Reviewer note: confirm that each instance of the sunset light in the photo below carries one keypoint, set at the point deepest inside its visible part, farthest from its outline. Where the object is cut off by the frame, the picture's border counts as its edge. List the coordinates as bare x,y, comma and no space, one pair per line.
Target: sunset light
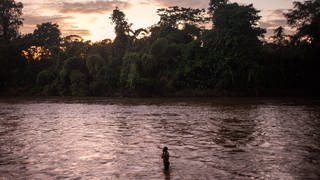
90,19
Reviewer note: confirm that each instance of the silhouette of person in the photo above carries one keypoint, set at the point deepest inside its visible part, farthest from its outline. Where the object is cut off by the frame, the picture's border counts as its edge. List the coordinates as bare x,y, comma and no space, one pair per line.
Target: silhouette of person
165,157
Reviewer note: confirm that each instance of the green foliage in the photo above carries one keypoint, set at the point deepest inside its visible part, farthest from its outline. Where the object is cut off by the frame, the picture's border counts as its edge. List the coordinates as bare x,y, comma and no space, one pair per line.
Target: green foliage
98,88
76,48
72,64
103,49
79,84
94,64
129,73
175,55
139,73
47,34
235,28
45,77
73,78
234,46
99,73
159,48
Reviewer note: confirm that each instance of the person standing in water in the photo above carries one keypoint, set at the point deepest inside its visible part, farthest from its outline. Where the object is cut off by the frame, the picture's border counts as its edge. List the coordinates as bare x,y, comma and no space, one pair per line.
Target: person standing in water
165,157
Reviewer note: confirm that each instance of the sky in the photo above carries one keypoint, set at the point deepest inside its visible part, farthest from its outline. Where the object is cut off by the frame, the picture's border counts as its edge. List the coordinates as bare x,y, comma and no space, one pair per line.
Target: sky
91,18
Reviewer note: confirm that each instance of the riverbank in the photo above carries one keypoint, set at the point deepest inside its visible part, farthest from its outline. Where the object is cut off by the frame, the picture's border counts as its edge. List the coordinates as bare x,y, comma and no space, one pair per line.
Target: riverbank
274,92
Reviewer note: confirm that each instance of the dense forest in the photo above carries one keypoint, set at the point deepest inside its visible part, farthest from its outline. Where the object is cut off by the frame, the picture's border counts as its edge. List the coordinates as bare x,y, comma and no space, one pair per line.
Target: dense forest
177,56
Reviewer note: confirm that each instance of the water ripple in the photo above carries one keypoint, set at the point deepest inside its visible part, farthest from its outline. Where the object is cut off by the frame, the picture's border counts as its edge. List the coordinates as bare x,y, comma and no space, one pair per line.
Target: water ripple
122,139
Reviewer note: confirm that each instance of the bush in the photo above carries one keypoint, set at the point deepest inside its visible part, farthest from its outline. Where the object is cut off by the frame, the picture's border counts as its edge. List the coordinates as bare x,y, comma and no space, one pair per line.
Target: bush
45,77
79,85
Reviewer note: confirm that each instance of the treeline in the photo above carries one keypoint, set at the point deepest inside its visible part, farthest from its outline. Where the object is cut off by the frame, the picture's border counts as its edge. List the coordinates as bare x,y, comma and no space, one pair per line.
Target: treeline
178,55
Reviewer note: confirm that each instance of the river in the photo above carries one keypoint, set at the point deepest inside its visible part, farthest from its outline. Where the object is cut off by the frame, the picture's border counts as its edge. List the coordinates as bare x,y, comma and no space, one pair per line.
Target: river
208,138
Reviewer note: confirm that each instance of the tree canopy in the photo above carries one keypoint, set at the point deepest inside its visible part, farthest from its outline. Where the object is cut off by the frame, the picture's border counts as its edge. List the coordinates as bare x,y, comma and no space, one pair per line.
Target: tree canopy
47,34
190,52
175,16
10,19
306,17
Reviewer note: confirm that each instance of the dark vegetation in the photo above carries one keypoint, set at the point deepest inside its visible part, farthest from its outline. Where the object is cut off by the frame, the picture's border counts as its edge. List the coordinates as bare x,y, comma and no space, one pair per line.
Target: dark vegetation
176,56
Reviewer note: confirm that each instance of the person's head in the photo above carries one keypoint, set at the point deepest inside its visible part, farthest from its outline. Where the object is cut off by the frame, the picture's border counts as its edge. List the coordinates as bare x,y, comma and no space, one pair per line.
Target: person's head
165,149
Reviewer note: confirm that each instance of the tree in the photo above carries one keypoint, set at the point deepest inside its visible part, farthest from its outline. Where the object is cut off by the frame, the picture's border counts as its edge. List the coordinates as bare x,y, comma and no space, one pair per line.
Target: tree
97,68
47,34
179,16
122,30
138,73
76,48
46,37
214,4
10,19
79,85
73,77
45,81
235,27
119,19
94,64
306,17
233,45
159,48
279,36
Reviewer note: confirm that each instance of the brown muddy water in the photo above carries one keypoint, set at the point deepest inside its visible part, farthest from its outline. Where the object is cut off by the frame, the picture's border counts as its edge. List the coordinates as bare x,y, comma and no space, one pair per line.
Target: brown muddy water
213,138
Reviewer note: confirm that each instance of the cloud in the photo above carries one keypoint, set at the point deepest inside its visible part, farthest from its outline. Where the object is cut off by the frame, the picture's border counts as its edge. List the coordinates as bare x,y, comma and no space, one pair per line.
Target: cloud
37,19
275,14
97,7
273,19
278,12
273,23
80,32
30,22
182,3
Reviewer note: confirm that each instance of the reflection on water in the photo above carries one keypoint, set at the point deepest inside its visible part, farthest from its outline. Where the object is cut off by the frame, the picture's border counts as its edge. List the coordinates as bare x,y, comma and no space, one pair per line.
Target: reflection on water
123,138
